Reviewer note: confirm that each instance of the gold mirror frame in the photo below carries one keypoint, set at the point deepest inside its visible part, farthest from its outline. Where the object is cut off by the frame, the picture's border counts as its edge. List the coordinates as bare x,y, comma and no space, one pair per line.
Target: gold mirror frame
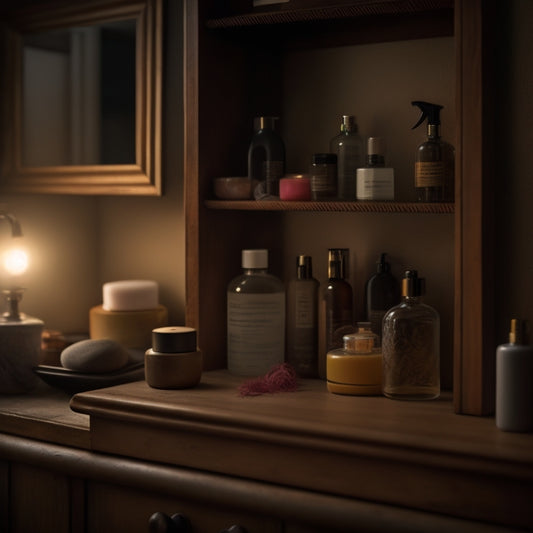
141,178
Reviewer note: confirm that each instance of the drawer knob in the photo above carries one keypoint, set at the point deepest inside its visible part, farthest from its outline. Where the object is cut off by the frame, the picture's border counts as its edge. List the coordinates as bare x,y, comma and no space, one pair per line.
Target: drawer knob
162,523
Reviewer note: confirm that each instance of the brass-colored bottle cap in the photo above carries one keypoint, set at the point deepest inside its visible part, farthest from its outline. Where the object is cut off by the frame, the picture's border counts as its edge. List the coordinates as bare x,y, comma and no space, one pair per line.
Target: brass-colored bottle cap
516,335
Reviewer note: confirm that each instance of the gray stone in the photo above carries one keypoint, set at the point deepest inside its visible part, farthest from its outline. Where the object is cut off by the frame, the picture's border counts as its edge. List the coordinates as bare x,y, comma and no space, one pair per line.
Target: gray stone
94,356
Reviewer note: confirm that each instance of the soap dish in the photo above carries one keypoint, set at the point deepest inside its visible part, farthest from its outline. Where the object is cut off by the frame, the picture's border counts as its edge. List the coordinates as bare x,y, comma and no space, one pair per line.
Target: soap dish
74,382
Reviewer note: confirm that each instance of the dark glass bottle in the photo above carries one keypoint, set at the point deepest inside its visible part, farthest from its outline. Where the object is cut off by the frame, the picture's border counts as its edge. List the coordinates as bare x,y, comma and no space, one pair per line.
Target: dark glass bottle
382,292
266,155
302,319
336,312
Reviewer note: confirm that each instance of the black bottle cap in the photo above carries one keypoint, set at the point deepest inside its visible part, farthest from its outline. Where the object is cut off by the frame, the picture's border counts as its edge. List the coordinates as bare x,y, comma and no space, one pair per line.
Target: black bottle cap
412,285
383,266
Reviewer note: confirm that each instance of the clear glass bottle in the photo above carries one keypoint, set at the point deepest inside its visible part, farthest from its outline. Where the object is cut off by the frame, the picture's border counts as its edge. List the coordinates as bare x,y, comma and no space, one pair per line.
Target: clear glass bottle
336,310
350,150
355,369
411,346
256,317
302,319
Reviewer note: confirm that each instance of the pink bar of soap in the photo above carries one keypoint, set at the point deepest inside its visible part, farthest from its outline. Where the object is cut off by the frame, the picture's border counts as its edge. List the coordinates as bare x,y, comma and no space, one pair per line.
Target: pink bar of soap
130,295
295,187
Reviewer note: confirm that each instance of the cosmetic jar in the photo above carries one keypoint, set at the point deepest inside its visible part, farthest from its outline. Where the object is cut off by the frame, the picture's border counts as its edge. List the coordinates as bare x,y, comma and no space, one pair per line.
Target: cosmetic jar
294,187
173,362
356,368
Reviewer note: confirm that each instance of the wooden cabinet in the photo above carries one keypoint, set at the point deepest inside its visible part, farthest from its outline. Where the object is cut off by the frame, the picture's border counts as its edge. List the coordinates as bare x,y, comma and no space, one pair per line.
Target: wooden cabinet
298,462
236,63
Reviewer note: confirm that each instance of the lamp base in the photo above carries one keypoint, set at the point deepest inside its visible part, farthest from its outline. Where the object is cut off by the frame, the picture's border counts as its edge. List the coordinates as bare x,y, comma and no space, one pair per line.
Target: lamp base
20,351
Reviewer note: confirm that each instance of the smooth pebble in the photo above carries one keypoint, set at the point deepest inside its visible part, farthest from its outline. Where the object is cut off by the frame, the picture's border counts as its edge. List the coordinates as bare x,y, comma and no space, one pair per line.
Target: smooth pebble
94,356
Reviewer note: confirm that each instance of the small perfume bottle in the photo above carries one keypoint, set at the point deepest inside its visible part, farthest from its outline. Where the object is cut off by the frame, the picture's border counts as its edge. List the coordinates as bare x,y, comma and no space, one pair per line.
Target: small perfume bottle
514,381
411,346
355,369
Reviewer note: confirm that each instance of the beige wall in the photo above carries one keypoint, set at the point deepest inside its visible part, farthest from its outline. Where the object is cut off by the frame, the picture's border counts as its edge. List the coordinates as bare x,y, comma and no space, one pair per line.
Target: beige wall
78,243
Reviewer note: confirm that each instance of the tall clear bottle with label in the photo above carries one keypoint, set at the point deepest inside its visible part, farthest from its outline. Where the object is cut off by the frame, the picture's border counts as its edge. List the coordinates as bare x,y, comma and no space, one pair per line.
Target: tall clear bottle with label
302,319
336,307
255,317
351,153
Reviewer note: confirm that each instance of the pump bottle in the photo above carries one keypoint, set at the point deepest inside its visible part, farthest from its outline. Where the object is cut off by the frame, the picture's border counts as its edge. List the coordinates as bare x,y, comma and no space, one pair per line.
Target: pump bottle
266,155
434,161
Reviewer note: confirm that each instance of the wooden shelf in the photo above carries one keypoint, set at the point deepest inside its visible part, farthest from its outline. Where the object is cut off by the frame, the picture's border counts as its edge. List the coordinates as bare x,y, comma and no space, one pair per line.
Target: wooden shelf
288,15
343,207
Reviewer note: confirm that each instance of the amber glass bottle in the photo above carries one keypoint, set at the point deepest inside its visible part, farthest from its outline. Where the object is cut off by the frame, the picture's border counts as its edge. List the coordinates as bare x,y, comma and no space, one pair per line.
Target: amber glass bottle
336,310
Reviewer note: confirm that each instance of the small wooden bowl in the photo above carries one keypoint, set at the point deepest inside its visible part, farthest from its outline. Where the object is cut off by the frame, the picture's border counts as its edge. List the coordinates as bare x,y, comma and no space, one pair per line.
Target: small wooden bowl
233,188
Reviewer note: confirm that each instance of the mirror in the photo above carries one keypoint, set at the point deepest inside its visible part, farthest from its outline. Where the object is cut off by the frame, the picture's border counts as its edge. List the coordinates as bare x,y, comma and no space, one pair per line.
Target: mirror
82,99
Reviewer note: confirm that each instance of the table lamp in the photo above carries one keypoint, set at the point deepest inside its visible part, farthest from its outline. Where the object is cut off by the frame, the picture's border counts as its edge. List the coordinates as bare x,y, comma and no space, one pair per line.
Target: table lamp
20,335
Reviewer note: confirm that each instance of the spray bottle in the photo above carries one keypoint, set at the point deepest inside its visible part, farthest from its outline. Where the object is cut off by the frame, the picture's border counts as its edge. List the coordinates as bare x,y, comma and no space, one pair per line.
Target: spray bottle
435,159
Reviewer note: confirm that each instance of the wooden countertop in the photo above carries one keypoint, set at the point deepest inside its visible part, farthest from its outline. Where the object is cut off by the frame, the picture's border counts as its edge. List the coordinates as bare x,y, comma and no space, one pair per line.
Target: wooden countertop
44,414
415,454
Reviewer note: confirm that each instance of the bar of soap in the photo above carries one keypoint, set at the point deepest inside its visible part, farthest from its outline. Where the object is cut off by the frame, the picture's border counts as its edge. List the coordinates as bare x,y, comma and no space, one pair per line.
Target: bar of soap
130,295
94,356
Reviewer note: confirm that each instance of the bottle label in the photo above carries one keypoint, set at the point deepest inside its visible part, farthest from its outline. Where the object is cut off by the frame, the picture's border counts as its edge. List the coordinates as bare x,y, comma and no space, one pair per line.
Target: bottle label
429,173
256,332
272,170
304,309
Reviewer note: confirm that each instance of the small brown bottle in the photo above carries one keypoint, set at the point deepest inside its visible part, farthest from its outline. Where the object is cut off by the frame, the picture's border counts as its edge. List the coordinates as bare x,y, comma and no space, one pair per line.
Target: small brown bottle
336,308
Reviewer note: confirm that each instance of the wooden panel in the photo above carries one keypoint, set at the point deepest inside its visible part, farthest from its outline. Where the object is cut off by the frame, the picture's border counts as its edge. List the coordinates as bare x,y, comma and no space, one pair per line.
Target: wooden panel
474,375
40,500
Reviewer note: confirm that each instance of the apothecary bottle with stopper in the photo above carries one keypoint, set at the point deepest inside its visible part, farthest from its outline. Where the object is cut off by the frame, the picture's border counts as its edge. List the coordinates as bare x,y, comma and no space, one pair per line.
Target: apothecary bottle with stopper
411,345
255,317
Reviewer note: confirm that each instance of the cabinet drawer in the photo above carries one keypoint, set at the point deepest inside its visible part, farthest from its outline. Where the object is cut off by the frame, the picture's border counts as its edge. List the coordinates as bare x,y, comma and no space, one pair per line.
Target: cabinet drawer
112,508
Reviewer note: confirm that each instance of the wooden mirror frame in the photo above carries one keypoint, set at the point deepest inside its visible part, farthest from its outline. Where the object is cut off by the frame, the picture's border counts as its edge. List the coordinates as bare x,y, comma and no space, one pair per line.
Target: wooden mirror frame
141,178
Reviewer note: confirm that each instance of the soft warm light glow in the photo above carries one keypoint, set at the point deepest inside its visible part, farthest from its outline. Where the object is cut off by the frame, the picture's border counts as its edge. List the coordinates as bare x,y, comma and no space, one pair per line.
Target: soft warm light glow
15,261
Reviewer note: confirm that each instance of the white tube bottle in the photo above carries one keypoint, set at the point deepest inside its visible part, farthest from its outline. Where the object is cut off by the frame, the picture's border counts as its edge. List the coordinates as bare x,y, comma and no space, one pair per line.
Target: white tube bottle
514,382
256,317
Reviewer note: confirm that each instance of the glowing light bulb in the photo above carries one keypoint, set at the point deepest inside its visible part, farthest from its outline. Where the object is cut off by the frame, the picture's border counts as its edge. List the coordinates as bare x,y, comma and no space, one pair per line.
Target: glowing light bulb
15,261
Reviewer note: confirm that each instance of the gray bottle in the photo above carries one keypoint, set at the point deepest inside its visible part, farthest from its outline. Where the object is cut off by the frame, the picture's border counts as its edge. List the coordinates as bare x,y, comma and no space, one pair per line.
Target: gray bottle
514,382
